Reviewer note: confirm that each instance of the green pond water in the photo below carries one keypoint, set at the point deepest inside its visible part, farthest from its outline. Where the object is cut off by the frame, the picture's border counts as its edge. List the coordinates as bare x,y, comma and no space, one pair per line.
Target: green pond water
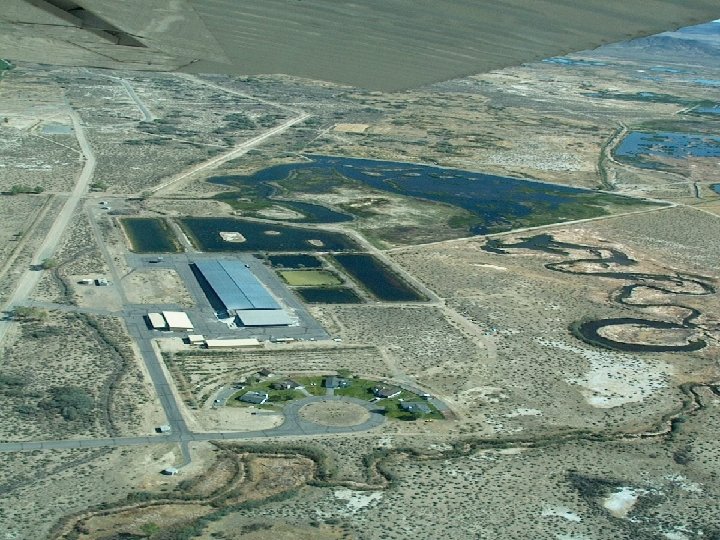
377,278
150,235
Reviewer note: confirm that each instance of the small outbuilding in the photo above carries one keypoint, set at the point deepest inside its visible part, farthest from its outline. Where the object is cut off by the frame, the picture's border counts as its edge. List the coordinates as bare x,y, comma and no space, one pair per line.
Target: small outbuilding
256,398
165,428
287,384
415,407
170,471
336,382
386,392
177,321
157,321
195,339
229,343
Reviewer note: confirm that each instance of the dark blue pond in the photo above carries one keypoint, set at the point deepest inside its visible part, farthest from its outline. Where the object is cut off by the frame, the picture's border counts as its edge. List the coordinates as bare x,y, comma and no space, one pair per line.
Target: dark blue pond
150,235
377,278
323,295
668,145
563,61
205,234
295,261
715,109
496,199
312,213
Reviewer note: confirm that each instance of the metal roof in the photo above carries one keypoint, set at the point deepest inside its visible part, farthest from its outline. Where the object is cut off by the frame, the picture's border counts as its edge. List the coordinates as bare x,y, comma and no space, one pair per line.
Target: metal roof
157,321
177,319
241,342
236,285
266,317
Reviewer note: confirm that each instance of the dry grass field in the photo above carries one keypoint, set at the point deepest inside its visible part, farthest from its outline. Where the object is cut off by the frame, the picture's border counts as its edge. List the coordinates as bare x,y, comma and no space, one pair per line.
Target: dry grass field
537,375
30,504
70,375
540,487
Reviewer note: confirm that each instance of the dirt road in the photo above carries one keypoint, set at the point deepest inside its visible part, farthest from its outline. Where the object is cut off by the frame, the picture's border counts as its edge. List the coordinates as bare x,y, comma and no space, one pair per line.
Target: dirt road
30,278
235,152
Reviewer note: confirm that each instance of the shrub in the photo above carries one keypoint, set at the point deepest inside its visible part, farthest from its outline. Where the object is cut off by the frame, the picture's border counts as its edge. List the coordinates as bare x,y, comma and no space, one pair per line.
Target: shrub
70,402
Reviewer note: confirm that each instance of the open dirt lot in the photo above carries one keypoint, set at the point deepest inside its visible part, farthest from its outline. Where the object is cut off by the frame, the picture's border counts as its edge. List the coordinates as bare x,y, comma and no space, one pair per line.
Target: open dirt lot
334,414
90,358
157,286
235,419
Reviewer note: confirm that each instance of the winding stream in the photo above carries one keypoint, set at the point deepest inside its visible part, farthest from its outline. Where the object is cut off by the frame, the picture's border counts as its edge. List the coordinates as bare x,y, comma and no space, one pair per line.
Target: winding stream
602,260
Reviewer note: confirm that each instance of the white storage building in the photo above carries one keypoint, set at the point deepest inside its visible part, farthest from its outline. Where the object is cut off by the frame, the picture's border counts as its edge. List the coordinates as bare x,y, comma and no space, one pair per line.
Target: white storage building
157,321
177,321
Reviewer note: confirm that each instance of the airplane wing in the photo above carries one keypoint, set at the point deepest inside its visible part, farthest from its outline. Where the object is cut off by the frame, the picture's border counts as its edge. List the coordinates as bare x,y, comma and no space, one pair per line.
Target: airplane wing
375,44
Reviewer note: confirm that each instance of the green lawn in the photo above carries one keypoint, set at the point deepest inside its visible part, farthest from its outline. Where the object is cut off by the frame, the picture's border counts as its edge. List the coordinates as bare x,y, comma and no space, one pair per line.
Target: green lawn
276,397
310,278
362,389
312,384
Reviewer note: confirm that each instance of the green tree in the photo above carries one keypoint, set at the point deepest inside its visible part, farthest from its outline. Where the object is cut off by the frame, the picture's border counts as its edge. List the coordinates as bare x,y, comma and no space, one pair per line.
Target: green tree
26,314
70,402
48,264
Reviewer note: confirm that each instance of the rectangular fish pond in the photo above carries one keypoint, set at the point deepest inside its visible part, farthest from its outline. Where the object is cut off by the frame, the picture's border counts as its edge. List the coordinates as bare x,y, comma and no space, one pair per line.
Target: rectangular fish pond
326,295
377,278
205,233
294,261
150,235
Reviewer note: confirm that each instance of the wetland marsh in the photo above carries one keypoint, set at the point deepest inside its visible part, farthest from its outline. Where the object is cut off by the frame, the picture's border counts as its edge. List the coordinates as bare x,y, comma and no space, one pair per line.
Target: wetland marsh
483,202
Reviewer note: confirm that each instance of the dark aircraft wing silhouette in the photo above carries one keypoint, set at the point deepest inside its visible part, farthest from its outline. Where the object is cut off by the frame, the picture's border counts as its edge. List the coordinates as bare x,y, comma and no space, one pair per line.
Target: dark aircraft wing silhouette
376,44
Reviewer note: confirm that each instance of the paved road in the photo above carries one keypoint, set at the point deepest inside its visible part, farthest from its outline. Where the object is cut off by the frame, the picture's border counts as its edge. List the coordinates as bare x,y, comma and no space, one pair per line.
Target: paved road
147,115
30,278
293,426
232,154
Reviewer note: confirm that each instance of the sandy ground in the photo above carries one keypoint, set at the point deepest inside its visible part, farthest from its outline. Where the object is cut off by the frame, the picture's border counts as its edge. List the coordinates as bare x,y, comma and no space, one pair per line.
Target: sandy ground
351,128
93,296
157,286
335,414
236,419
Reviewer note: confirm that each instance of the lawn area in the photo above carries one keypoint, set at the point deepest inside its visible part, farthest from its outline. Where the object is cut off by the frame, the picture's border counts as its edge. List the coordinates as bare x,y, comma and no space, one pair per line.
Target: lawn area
310,278
276,397
362,389
312,384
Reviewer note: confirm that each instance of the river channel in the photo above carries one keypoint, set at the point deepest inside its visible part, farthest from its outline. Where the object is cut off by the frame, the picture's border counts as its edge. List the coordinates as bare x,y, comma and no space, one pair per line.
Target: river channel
597,265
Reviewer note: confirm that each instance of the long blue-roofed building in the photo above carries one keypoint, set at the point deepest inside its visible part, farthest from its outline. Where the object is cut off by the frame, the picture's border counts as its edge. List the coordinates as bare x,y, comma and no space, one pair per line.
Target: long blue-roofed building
240,292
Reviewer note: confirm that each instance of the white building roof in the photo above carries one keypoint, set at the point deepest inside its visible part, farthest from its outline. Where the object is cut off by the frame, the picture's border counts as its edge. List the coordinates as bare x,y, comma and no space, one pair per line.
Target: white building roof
157,321
196,338
263,317
218,343
177,319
